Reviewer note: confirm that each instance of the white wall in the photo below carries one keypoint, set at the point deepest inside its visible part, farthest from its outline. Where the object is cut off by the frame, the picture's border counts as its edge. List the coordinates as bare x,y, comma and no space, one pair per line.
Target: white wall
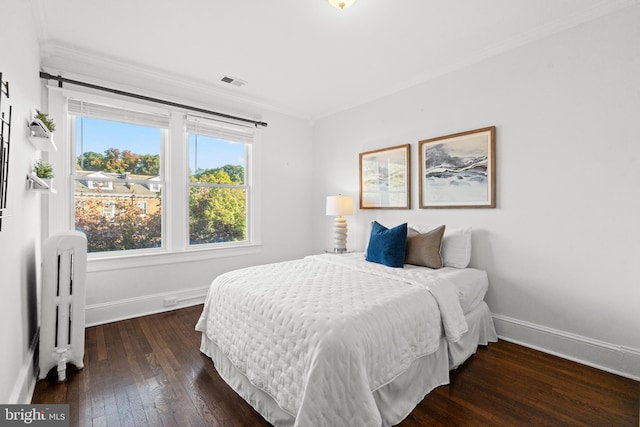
285,179
126,288
20,237
562,247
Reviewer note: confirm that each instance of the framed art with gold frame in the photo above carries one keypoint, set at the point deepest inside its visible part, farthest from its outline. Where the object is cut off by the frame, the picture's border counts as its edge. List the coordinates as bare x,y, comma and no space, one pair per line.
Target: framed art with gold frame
459,170
385,178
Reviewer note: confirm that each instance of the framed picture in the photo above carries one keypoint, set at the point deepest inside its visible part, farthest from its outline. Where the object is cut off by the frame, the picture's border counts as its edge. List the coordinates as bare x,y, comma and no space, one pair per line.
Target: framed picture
385,178
459,170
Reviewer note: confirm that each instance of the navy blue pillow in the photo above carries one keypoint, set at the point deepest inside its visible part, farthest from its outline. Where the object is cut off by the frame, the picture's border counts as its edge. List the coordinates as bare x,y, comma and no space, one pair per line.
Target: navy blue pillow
387,245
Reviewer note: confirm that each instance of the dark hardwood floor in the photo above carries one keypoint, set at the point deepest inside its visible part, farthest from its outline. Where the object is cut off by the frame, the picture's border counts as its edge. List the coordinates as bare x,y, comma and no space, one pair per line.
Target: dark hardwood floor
149,372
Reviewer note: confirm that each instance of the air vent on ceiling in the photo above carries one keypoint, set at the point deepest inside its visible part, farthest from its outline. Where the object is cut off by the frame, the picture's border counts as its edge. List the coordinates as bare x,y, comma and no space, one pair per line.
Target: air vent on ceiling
233,81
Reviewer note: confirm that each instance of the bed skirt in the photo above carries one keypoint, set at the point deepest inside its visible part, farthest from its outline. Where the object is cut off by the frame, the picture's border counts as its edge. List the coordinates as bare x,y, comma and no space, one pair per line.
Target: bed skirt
395,400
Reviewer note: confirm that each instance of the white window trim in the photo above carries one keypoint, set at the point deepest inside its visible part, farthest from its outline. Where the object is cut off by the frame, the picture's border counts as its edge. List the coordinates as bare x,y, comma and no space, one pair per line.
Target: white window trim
174,163
138,259
246,186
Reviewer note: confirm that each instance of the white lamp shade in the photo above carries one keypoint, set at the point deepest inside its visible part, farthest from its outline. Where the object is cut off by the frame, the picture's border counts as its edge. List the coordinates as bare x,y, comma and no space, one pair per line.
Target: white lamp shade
341,4
339,205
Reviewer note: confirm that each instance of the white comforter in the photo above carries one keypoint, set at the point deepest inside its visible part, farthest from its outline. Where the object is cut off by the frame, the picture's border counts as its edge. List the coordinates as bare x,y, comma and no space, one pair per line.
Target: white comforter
320,334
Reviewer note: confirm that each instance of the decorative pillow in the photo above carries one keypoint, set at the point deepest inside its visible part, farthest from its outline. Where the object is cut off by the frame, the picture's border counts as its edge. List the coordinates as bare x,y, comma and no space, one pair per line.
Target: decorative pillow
456,245
387,245
424,248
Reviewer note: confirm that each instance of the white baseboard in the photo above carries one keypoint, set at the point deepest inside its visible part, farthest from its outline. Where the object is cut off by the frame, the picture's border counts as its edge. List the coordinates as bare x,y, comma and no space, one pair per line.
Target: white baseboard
619,360
99,314
26,382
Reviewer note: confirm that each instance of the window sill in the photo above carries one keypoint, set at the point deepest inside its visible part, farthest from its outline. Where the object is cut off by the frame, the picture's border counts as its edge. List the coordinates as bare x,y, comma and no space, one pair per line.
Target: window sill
120,261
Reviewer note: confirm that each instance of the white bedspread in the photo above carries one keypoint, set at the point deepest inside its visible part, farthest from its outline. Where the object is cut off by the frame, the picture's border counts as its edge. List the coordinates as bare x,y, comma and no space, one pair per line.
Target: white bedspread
320,334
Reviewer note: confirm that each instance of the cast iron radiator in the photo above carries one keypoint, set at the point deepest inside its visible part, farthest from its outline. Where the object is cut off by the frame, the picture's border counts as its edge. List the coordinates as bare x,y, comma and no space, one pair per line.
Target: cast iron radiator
64,264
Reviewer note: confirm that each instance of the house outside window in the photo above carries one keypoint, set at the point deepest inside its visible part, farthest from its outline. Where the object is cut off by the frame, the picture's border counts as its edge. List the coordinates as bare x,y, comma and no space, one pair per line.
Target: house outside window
116,151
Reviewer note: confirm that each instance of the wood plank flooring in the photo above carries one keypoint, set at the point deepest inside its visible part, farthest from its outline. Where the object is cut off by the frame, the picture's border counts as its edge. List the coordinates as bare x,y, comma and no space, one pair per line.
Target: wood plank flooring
149,372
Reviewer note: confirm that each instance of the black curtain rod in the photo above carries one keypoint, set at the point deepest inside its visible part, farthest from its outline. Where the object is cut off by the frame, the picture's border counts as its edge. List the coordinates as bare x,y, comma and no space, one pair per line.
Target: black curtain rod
61,80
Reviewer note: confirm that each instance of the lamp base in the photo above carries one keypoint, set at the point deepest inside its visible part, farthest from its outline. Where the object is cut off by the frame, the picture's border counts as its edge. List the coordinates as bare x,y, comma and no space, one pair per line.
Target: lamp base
338,251
339,234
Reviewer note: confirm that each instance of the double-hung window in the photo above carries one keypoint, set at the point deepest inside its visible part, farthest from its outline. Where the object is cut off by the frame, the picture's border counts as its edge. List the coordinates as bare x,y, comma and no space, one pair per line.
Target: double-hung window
118,176
218,181
158,181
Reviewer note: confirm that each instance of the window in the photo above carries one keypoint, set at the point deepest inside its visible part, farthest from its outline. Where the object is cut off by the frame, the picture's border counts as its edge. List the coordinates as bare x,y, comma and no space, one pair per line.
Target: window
108,208
98,184
117,153
142,206
218,182
153,185
126,201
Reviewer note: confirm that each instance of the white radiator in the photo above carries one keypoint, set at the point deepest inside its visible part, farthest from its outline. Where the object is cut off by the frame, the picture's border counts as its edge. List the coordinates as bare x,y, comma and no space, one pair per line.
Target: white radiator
64,264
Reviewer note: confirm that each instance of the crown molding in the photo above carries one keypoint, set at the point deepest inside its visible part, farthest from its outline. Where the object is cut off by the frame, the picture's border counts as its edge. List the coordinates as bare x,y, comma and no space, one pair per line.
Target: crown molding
68,60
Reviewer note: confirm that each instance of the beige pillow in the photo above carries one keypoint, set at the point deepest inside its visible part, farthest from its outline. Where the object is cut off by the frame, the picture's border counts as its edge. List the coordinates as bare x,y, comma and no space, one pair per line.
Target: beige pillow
456,245
424,248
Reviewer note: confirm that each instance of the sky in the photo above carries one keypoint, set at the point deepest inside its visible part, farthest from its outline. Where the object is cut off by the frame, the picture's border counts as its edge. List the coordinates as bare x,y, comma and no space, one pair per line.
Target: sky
99,135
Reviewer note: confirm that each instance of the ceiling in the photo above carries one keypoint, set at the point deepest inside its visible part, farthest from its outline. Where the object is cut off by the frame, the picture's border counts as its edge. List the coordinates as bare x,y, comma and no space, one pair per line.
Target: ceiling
301,57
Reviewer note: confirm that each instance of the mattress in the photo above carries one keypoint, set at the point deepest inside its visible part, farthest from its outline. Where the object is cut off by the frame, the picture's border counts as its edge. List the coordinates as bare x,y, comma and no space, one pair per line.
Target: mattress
471,283
324,336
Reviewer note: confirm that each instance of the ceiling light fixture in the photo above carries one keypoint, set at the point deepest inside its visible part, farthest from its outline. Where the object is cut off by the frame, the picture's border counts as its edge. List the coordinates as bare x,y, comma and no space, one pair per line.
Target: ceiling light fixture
341,4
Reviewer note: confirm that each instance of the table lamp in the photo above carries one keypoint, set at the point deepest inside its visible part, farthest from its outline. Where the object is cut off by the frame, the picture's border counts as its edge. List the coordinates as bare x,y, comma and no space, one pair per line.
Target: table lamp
338,206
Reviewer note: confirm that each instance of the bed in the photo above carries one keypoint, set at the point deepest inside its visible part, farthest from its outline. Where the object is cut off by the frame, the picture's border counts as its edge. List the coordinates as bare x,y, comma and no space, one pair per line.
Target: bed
337,340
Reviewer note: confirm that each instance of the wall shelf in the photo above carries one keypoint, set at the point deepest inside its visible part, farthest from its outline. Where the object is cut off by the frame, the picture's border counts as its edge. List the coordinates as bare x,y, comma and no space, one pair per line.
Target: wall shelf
5,139
43,143
38,184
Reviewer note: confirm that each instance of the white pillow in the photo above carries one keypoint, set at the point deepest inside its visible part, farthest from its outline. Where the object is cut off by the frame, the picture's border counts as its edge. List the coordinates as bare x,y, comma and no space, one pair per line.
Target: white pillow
456,245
